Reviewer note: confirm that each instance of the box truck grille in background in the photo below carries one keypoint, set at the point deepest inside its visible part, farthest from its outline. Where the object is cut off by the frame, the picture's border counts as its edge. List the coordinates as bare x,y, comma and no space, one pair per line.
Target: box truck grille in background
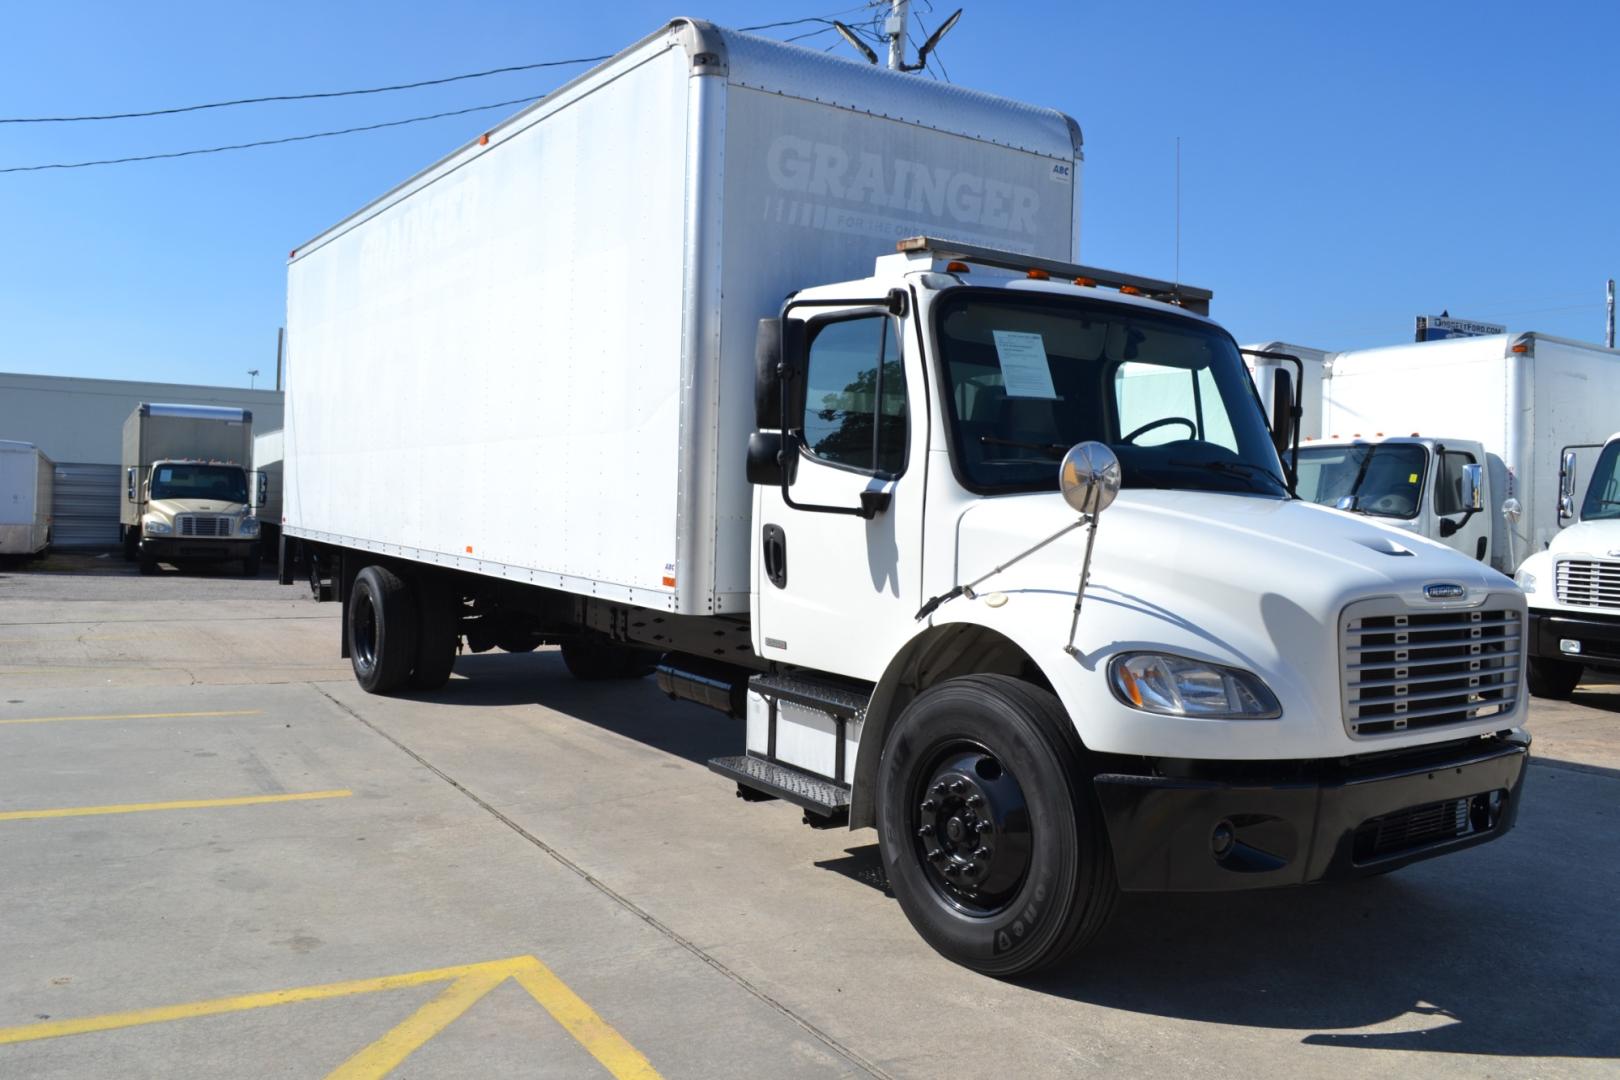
203,525
1589,582
1406,669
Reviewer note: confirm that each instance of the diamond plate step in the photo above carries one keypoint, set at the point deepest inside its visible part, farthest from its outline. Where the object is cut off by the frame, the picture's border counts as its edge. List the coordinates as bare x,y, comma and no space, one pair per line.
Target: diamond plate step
822,797
838,699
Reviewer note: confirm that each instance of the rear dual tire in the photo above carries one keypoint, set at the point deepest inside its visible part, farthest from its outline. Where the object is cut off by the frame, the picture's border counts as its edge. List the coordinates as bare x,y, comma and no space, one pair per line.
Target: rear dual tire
401,633
990,832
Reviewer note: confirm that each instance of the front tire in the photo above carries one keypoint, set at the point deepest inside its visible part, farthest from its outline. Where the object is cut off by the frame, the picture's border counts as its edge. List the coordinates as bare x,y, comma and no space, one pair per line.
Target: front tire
990,833
1553,678
382,629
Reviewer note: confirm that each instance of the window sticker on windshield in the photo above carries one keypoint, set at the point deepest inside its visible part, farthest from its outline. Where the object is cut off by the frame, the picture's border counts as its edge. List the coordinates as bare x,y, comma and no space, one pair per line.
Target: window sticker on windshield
1412,479
1024,370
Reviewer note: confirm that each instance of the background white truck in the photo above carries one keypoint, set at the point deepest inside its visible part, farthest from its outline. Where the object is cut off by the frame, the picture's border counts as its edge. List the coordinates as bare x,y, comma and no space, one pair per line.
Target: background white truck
26,481
267,456
1394,429
1574,585
187,486
701,409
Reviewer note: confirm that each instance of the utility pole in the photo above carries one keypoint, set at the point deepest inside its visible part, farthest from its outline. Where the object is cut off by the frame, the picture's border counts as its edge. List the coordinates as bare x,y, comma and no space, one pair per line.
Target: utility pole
1608,339
253,374
895,29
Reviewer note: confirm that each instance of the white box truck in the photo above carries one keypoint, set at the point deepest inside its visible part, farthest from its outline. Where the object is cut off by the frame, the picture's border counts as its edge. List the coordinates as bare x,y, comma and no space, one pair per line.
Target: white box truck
1574,585
1461,440
641,372
26,483
186,487
267,455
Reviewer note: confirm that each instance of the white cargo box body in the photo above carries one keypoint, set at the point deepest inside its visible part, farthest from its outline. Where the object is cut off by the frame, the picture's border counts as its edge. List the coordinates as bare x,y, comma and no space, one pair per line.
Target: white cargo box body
26,481
267,454
534,360
1524,406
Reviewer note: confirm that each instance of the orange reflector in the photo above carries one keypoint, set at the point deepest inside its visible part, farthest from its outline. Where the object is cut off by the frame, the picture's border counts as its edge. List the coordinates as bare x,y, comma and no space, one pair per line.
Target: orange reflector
293,254
954,267
1086,282
1521,348
1414,434
469,549
1132,691
1130,290
1040,275
483,140
669,582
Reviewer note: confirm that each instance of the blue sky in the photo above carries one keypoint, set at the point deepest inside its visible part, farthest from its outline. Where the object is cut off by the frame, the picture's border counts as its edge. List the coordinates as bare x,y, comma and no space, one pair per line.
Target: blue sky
1343,168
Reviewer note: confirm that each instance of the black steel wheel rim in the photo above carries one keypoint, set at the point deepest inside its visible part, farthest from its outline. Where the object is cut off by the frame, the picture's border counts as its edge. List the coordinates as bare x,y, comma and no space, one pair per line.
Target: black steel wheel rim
365,629
971,827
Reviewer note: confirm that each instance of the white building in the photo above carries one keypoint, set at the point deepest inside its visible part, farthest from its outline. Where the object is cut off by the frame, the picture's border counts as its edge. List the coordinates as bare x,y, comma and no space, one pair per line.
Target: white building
79,424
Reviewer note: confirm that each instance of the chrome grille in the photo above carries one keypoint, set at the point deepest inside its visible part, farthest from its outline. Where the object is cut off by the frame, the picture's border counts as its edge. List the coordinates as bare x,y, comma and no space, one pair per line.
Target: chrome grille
1407,668
204,525
1588,582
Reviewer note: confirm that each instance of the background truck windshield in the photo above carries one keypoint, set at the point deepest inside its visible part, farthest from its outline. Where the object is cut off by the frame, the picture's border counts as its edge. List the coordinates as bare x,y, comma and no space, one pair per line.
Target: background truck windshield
1386,479
226,483
1031,375
1603,493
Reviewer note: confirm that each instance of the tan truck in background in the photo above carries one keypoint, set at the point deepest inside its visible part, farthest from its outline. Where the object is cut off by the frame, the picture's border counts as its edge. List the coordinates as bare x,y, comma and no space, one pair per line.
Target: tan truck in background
186,487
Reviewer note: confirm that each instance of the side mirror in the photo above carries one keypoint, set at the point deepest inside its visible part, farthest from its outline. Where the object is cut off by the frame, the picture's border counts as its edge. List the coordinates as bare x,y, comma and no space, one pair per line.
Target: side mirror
1089,477
262,489
1473,487
769,460
129,480
779,349
1282,411
1566,486
1512,511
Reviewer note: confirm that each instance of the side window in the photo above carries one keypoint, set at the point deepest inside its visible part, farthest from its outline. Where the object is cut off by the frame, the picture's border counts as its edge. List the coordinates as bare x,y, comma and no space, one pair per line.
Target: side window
855,399
1448,495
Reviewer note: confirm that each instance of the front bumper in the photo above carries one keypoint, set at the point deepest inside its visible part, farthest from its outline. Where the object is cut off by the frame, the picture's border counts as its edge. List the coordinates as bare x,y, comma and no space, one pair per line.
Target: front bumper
1326,820
201,549
1599,637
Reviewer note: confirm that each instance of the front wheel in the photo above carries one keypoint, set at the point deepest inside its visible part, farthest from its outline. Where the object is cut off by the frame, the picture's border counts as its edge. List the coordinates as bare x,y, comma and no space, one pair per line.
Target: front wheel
1553,678
990,833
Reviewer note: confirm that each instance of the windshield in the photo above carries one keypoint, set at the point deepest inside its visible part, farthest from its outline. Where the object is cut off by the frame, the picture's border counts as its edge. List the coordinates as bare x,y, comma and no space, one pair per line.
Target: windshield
226,483
1030,375
1603,493
1384,480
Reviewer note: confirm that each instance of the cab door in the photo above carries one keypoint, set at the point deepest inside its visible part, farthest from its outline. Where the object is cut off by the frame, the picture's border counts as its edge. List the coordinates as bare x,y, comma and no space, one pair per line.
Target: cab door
837,563
1459,525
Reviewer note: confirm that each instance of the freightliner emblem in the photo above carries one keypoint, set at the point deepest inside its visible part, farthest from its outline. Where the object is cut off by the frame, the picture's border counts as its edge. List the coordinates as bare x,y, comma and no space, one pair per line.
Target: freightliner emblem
1444,591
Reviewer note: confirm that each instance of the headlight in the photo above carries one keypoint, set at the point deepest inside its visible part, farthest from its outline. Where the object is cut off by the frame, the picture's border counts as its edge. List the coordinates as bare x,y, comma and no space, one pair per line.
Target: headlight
1179,686
1525,581
248,527
157,526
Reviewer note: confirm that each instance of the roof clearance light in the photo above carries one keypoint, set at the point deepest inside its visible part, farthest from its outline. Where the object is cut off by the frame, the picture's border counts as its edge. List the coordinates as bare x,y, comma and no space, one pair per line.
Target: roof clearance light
483,140
1087,282
1130,290
1521,347
1040,275
954,267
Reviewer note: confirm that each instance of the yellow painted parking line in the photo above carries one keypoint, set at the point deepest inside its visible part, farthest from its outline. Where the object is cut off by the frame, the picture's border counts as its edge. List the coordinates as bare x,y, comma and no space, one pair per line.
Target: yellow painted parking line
187,804
468,984
134,716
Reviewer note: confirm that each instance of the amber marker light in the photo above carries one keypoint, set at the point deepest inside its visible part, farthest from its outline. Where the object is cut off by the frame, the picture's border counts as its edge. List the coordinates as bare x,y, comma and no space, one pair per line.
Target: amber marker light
1087,282
1130,290
954,267
1040,275
1132,690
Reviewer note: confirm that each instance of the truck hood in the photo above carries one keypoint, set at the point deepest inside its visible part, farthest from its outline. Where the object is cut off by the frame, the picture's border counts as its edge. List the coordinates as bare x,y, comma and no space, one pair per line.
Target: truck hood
1244,580
1591,539
170,507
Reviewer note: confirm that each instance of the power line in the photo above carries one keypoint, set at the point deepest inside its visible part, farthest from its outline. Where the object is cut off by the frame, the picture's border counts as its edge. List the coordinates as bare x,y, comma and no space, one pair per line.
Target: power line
269,142
300,97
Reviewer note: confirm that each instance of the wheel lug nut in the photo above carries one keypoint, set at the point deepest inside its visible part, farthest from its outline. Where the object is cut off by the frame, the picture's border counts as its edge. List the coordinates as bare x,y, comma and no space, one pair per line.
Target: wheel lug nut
935,855
981,853
957,787
939,788
929,805
975,800
970,870
926,830
983,826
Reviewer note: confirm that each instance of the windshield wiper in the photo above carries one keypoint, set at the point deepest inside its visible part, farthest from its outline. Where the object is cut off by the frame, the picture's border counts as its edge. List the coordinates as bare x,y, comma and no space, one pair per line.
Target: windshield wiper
1239,467
1043,448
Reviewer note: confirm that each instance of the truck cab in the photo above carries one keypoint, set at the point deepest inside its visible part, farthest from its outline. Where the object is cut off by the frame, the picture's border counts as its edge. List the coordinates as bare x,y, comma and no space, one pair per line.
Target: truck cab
1438,488
1574,585
193,511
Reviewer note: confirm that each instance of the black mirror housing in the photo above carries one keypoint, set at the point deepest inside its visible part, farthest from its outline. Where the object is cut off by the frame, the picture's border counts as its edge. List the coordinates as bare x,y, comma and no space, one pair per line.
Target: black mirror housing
770,459
1282,410
779,349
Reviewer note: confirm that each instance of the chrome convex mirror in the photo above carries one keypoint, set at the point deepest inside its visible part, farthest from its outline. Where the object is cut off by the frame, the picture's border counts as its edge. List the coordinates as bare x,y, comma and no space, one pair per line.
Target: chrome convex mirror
1089,477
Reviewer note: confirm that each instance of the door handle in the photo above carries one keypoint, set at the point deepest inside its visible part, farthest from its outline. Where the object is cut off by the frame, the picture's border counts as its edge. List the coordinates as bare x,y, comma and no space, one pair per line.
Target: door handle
774,554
